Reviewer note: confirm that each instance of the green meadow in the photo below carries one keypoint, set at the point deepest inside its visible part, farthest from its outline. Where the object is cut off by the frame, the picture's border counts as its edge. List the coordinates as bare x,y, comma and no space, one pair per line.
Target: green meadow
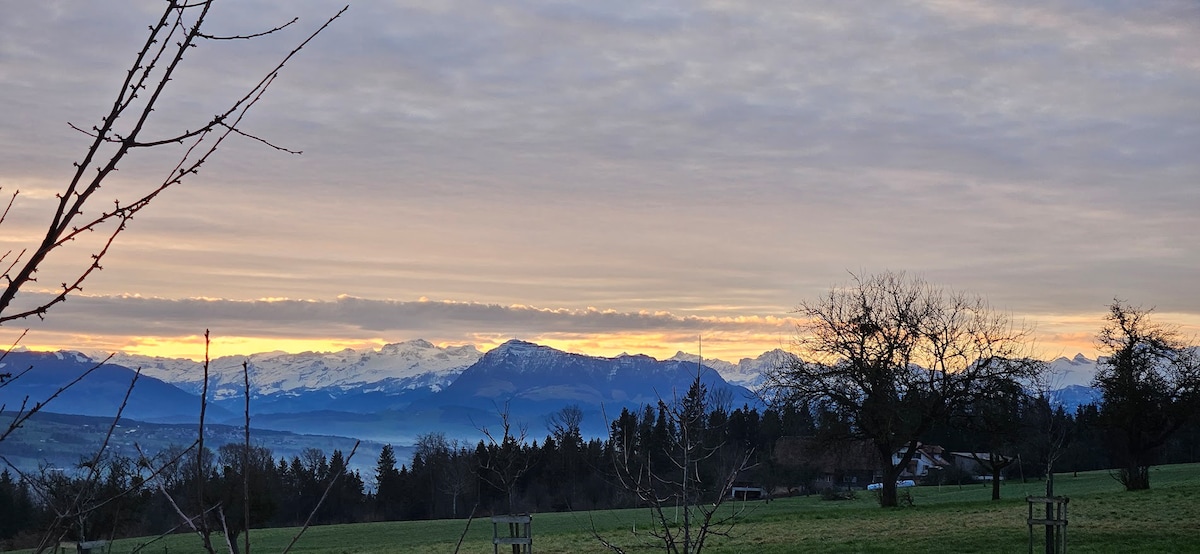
1103,518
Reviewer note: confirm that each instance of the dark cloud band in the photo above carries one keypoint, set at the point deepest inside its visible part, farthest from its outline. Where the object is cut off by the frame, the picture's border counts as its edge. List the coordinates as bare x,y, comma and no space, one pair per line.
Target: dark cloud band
349,317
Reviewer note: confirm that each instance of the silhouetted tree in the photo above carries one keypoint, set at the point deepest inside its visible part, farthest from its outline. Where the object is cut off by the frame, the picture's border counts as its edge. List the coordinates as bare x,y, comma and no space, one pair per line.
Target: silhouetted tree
259,462
16,508
566,434
1150,381
893,355
387,485
504,458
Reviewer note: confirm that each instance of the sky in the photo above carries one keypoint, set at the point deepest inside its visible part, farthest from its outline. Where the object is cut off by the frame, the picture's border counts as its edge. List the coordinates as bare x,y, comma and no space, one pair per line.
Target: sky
618,176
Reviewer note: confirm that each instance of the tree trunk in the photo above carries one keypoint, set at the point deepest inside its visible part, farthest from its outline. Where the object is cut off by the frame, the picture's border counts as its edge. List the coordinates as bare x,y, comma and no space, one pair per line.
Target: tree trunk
887,495
996,481
1136,477
1051,545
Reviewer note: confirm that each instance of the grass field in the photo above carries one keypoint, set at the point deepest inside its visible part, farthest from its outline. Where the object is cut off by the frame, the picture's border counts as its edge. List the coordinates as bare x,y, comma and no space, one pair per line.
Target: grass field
1103,518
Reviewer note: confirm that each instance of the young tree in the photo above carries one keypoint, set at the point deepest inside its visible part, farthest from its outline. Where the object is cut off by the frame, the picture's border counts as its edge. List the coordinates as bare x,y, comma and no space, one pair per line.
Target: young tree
892,355
458,475
682,478
388,486
1150,381
505,457
432,454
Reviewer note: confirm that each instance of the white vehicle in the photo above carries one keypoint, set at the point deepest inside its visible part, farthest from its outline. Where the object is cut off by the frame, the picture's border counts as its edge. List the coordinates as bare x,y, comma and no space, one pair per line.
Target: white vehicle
899,485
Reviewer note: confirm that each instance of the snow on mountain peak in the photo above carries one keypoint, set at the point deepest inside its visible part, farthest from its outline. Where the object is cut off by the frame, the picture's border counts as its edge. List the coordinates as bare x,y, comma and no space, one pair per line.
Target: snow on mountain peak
748,372
1078,370
513,347
275,372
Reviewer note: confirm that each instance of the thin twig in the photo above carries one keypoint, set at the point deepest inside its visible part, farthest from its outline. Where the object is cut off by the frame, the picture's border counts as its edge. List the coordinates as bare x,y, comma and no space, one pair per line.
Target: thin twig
313,513
246,461
22,415
225,529
200,469
12,347
8,207
186,521
466,528
76,508
245,37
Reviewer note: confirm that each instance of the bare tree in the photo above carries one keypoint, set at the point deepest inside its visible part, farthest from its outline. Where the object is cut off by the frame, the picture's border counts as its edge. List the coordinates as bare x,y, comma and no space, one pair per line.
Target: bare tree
505,459
1150,380
565,426
682,481
892,355
458,475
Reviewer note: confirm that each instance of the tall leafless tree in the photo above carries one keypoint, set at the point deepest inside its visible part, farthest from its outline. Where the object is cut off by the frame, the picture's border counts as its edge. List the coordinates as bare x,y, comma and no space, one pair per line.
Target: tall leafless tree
1150,380
892,355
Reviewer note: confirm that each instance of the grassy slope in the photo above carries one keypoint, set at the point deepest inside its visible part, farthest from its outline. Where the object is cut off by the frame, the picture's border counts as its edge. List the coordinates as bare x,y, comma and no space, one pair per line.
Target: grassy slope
1103,518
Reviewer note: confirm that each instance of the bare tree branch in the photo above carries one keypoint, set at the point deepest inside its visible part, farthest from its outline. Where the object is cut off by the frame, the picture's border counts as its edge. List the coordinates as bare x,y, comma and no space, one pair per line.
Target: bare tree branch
23,415
333,479
245,37
152,69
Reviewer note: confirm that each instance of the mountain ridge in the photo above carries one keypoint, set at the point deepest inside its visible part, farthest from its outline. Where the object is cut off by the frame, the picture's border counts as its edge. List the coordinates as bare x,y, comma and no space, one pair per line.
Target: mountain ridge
403,389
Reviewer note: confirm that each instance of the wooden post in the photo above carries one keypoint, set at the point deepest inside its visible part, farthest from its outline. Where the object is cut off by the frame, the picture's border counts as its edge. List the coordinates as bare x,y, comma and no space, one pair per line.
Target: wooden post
520,533
1055,521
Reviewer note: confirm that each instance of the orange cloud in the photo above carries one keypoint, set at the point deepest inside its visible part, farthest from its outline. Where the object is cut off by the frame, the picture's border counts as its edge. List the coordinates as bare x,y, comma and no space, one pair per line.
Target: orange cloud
748,336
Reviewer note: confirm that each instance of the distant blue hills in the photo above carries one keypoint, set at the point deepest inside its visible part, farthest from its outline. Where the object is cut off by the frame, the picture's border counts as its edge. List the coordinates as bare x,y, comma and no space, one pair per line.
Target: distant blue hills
99,393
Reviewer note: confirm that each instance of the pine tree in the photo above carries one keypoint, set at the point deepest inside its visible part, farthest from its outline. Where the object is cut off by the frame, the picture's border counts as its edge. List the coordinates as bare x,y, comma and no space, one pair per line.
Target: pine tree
387,485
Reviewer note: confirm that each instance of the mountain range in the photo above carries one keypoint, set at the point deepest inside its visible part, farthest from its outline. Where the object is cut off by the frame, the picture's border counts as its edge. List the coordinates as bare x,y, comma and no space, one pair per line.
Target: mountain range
406,389
392,394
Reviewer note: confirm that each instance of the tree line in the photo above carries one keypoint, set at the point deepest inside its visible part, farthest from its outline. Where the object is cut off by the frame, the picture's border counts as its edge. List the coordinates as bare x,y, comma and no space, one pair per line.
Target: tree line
563,471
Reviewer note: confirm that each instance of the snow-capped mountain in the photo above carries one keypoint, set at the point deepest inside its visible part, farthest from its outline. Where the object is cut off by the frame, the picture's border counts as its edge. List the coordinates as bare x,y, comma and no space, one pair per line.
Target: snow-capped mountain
748,372
1079,370
395,368
401,390
532,381
531,373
